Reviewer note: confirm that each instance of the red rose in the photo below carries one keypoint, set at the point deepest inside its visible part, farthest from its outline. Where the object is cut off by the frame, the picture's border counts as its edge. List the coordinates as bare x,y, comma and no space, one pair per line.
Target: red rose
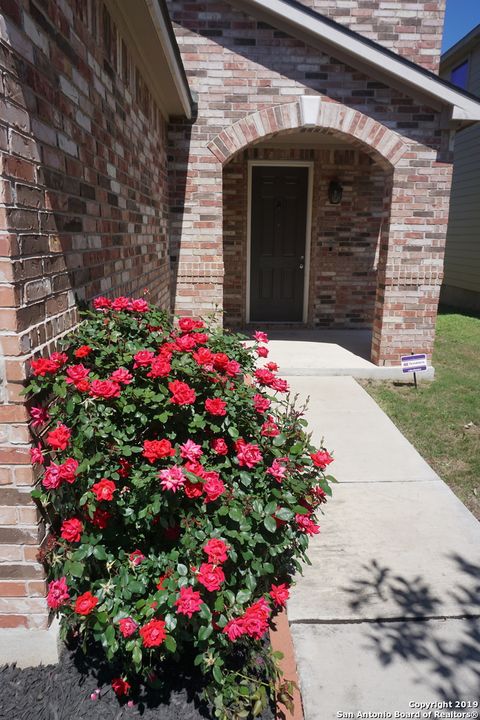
83,351
261,403
104,389
216,551
72,530
42,367
187,324
203,356
189,601
321,459
182,394
219,446
153,633
272,366
160,367
185,343
234,629
220,361
85,603
211,576
270,428
124,469
127,626
104,489
136,557
122,376
140,305
102,303
232,368
121,303
213,487
68,470
193,490
279,594
120,687
58,438
262,352
264,377
255,619
143,358
157,449
248,454
280,385
77,375
100,518
306,524
216,406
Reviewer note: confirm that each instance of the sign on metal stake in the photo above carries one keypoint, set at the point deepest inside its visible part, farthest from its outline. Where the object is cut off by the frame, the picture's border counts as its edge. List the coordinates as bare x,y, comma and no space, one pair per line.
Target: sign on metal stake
414,363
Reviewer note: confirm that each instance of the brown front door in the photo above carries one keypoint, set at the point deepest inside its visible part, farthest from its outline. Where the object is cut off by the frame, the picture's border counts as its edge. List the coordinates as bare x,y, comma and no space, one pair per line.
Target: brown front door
278,231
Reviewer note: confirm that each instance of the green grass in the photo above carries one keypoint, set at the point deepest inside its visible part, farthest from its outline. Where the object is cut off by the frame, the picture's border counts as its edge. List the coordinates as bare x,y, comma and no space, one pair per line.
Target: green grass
442,419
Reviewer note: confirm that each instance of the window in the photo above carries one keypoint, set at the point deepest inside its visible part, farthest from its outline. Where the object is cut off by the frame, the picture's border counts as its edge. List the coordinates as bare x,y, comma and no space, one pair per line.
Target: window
459,75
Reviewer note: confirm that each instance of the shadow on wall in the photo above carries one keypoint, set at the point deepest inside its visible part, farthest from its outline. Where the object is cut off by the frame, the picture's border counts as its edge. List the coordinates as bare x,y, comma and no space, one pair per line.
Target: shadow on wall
410,637
179,138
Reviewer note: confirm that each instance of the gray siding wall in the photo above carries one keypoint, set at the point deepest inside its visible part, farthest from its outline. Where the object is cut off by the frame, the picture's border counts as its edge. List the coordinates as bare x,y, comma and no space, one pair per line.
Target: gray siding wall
462,256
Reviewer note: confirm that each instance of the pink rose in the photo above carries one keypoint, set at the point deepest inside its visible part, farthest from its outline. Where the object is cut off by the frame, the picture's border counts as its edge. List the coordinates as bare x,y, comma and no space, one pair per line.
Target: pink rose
172,478
127,626
57,593
190,450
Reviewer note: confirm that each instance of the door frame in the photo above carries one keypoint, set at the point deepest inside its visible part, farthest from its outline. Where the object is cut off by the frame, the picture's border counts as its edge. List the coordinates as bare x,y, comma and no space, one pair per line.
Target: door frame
308,231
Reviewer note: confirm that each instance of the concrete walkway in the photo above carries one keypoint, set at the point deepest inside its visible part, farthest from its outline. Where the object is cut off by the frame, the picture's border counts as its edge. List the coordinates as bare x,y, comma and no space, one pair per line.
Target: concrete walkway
313,352
388,614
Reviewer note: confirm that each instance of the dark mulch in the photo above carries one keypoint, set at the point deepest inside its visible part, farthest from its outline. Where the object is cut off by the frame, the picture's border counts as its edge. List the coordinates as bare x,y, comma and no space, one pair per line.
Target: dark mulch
62,692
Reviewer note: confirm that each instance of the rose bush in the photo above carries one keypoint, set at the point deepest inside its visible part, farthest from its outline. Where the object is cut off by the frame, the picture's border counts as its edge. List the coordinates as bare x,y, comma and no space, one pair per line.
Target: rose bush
181,487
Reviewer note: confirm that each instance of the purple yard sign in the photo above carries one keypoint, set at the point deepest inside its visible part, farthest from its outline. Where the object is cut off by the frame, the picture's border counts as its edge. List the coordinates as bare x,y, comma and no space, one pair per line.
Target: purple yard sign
414,363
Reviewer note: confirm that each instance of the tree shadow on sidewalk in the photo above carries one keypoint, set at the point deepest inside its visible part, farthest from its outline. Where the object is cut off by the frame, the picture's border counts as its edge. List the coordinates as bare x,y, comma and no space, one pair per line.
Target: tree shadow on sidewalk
446,653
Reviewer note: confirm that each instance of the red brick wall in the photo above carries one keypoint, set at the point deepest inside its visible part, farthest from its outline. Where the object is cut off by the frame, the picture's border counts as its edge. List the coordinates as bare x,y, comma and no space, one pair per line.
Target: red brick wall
83,211
345,238
250,80
412,28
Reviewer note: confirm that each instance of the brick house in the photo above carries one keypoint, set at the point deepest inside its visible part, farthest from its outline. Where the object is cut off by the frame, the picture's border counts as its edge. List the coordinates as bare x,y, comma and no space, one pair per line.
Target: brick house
283,161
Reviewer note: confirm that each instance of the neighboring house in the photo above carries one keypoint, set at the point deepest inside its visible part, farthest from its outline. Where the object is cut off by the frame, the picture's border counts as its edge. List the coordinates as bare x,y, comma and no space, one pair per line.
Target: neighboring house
461,285
308,183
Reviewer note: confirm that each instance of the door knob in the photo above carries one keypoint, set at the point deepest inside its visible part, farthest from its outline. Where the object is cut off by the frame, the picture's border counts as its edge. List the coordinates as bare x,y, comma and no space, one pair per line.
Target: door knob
301,267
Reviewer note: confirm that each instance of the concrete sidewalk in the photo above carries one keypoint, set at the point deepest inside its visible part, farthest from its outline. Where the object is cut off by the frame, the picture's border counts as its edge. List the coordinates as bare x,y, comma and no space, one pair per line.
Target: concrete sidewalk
388,614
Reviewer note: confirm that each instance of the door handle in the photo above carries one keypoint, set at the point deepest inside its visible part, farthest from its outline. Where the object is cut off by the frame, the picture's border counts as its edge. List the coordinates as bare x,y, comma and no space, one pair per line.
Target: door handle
300,267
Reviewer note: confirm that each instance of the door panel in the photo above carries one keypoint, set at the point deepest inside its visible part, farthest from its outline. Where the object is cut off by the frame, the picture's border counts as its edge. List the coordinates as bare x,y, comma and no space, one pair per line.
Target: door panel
278,230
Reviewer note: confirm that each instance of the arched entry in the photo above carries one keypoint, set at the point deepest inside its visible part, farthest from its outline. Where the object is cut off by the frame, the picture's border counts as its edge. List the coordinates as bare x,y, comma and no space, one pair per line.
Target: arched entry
345,263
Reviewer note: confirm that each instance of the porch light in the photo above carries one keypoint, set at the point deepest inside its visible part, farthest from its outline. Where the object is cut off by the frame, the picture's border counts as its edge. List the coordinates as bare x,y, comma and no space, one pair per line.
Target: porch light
335,192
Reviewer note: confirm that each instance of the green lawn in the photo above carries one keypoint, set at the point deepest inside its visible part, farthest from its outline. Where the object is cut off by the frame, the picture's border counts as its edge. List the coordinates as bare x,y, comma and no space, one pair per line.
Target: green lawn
442,418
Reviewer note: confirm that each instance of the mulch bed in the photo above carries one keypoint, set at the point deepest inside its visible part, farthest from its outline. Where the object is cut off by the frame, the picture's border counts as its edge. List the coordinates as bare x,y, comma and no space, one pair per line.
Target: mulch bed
62,692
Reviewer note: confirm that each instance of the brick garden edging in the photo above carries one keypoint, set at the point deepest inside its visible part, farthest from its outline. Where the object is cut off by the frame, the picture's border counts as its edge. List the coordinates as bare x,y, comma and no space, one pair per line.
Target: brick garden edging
281,639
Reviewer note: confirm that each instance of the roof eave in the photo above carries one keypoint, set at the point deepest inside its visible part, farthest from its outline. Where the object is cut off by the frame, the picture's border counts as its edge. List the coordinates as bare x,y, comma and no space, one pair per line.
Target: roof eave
341,41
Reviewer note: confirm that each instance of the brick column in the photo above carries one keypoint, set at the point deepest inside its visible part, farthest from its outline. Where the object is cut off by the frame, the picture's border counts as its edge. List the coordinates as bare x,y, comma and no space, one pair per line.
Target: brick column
196,227
411,263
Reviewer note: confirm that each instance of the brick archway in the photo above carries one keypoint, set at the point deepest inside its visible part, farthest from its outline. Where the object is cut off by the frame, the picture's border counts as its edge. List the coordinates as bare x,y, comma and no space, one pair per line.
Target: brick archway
311,112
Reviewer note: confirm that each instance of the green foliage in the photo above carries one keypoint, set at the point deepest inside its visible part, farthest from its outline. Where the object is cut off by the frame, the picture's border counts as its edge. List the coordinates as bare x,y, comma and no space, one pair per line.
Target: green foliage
141,544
